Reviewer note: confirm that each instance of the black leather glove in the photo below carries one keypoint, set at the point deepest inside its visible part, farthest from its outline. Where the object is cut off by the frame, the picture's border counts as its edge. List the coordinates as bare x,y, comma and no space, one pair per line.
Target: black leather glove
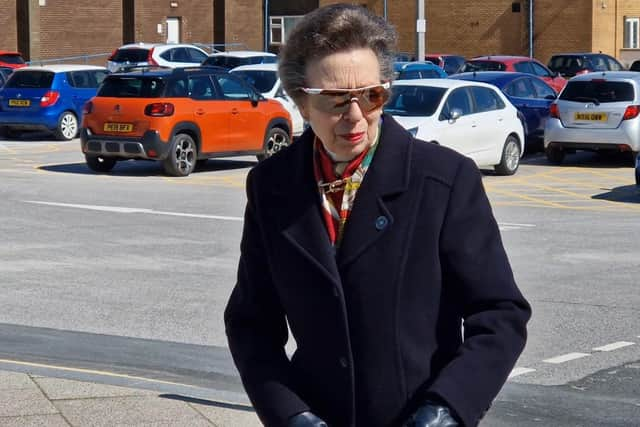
432,415
306,419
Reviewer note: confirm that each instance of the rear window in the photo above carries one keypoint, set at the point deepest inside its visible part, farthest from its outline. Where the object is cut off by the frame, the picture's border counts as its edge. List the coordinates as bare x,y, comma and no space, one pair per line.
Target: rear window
598,91
418,74
261,80
233,61
471,66
11,58
30,79
414,100
130,55
132,87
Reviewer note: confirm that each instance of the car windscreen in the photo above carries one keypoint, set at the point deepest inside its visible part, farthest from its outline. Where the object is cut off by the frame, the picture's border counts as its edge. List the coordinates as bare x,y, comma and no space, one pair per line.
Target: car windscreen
30,79
471,66
130,55
598,91
260,79
414,100
10,58
132,87
418,74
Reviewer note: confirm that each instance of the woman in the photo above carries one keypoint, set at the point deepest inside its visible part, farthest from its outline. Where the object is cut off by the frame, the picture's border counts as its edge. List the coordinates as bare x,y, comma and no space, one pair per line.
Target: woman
374,247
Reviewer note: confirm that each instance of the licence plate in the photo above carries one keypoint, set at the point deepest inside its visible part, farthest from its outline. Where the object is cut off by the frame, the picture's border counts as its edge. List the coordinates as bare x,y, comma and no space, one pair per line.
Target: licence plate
118,127
591,117
19,103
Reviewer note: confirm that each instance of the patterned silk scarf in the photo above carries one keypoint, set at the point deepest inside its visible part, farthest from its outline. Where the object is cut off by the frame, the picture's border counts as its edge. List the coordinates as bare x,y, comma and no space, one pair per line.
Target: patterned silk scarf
338,190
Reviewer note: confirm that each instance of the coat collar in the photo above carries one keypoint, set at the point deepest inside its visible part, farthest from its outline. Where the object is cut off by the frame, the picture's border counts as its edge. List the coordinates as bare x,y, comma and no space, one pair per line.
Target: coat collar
301,219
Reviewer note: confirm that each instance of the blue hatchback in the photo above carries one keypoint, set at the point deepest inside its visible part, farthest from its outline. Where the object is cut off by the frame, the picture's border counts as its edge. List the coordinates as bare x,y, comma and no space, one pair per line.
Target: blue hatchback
48,98
418,70
528,93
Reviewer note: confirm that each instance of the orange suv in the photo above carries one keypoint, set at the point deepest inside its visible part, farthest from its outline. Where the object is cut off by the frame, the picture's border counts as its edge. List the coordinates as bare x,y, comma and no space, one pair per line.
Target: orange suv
180,117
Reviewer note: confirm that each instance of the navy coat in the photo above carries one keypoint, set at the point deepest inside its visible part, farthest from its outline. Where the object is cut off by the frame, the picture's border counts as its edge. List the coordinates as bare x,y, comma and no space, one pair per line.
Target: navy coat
378,325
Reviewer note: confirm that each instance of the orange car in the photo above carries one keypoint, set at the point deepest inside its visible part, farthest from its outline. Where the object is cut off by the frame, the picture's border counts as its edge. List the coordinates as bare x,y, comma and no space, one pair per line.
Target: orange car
180,116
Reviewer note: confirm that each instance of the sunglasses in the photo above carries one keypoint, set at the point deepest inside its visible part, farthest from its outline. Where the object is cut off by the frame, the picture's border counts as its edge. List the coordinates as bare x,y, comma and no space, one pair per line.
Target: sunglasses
338,101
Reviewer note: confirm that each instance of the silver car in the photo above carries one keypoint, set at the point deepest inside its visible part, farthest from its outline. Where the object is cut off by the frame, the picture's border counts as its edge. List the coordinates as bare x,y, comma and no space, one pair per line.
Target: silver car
595,111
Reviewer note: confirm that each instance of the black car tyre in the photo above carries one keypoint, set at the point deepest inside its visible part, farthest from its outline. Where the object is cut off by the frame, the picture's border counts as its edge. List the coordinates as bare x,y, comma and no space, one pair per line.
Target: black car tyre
510,157
555,155
67,126
100,163
276,140
182,157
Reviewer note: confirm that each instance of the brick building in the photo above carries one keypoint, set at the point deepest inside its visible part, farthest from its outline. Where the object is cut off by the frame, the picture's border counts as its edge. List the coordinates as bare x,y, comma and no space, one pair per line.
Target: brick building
44,29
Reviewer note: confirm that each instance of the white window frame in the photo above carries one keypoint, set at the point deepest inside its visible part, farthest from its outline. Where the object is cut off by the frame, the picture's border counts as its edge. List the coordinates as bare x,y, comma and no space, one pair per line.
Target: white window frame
631,33
277,23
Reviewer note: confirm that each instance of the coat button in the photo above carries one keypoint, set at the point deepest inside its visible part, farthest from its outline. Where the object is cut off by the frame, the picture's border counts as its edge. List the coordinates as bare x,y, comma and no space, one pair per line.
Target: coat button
343,362
381,223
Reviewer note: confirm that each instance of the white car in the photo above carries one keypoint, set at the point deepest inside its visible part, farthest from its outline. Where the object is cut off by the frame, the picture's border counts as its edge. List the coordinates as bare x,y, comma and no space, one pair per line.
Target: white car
264,77
473,118
237,58
170,55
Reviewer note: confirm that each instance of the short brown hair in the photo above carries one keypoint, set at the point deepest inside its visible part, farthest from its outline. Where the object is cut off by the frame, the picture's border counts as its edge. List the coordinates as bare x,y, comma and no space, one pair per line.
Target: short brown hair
330,29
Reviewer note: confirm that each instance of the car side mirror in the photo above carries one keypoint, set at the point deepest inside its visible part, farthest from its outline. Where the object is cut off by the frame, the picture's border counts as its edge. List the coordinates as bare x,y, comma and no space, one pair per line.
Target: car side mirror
255,97
455,114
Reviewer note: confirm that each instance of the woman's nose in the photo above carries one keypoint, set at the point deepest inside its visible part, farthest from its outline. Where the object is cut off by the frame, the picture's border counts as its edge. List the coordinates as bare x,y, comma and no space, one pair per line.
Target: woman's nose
354,113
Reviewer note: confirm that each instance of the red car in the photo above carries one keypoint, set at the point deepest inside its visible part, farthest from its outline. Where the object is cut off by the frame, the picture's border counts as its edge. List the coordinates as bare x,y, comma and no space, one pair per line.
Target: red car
11,59
522,64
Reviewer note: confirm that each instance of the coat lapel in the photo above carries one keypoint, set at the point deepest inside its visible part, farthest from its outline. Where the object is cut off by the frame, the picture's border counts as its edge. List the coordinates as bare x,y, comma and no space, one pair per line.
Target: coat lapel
372,214
301,221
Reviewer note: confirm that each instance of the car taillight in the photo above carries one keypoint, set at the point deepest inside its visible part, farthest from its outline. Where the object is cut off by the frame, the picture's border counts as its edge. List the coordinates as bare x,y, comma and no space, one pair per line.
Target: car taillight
49,98
113,54
554,111
159,109
631,112
150,59
87,108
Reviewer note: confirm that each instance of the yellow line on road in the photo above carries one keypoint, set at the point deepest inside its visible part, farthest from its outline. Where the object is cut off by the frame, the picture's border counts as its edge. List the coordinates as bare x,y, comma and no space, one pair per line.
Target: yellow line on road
91,371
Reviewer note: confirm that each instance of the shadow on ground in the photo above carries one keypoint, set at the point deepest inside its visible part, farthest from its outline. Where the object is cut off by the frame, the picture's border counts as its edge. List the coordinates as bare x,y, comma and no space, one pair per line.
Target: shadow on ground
140,168
234,406
624,194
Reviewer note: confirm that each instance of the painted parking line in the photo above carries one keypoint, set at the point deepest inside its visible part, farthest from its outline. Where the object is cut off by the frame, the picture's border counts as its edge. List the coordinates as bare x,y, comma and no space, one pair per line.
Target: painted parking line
520,371
614,346
127,210
565,358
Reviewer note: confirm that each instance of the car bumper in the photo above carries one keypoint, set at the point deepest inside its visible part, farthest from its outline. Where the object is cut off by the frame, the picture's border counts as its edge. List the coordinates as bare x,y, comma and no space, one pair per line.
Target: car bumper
625,137
149,146
45,119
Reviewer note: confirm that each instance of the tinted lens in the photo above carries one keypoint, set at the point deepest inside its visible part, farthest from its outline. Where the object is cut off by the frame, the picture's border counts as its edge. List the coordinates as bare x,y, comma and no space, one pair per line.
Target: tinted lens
338,102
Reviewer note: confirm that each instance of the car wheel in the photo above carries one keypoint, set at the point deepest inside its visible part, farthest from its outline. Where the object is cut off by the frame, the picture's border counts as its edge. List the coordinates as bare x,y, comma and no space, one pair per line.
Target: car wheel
555,155
634,156
182,157
510,157
100,163
67,126
276,140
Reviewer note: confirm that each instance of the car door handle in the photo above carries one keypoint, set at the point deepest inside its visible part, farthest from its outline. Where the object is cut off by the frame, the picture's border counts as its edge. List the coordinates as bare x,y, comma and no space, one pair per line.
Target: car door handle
200,112
234,111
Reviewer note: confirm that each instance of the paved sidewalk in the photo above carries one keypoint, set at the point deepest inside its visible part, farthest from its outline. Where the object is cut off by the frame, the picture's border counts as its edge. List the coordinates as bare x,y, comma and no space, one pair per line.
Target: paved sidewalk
30,400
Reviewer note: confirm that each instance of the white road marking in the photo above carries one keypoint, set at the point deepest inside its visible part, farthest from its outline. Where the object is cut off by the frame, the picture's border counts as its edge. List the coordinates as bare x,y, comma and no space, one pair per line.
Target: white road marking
505,226
520,371
125,210
613,346
566,357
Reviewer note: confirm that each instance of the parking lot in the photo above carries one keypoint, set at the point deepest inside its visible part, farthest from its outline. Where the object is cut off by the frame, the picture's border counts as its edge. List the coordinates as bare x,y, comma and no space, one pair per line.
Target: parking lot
145,257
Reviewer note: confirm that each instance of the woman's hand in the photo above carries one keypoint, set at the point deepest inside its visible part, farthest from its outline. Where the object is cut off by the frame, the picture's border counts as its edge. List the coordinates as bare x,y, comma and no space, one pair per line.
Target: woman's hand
306,419
432,415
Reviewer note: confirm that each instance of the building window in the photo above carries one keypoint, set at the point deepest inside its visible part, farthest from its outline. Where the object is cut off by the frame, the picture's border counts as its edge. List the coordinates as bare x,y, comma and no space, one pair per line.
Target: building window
280,26
631,27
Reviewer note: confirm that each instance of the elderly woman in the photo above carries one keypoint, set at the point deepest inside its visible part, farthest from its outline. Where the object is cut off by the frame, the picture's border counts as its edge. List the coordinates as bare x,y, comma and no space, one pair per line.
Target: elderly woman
375,248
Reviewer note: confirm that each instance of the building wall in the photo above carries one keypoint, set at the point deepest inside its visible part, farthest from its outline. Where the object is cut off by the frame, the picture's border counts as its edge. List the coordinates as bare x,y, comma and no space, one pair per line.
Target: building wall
244,24
604,27
631,9
196,20
77,28
562,26
9,37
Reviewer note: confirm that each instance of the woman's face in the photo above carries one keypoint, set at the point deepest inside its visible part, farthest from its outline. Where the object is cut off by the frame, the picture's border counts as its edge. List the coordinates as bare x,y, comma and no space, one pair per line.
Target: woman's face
343,134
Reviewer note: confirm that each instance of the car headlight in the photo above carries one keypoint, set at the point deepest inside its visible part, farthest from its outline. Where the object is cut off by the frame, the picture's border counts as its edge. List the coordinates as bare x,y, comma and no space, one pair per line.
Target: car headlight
413,131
